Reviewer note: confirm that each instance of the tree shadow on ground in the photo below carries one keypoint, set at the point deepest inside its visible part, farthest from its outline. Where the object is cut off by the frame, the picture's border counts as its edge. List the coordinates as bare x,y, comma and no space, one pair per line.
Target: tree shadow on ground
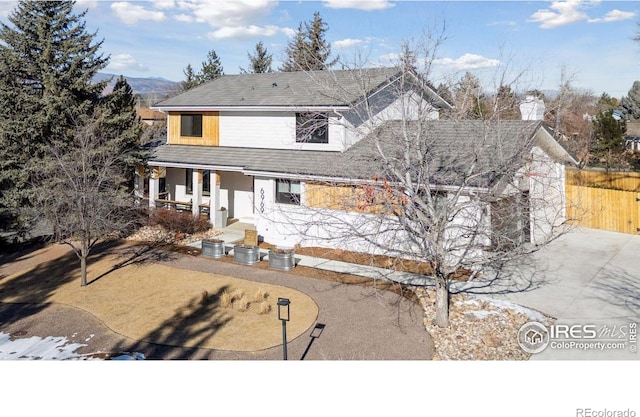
184,328
133,255
519,275
619,288
32,289
23,250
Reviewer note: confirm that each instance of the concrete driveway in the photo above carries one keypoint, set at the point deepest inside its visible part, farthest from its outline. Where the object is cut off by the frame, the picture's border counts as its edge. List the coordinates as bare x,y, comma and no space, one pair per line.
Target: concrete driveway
589,277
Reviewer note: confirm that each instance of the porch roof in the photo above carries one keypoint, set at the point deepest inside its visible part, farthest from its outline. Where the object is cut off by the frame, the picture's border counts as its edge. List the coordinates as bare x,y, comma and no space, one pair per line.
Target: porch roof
281,161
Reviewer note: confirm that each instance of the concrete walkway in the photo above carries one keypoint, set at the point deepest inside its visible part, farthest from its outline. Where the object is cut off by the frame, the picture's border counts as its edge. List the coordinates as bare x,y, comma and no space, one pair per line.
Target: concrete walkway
587,277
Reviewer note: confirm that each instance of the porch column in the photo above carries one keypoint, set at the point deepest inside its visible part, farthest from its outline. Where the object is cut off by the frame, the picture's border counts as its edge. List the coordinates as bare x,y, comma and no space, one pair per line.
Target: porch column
197,192
154,186
138,185
214,199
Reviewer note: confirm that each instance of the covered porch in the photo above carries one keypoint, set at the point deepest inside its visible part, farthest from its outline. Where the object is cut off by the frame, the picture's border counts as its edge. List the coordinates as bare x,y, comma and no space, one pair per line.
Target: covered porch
223,196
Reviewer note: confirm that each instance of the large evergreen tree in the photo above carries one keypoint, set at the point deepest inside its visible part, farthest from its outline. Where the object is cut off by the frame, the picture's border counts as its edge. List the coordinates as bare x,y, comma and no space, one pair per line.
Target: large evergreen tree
47,62
211,68
259,61
469,100
630,104
295,52
608,133
122,126
309,50
190,78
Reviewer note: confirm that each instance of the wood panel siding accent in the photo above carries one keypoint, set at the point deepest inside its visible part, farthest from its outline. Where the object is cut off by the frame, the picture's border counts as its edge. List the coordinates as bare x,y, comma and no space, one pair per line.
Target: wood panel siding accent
600,208
210,130
358,198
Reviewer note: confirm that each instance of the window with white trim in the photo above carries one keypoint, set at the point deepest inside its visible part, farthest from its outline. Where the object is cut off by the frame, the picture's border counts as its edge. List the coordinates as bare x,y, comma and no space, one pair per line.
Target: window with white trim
288,192
312,128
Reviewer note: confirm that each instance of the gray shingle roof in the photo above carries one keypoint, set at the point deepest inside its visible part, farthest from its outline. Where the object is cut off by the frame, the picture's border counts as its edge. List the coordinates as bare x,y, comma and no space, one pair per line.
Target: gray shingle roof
314,88
248,159
449,148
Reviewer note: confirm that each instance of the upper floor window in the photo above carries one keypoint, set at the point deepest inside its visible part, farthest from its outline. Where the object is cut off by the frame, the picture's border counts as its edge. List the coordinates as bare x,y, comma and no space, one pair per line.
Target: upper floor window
312,128
288,192
191,125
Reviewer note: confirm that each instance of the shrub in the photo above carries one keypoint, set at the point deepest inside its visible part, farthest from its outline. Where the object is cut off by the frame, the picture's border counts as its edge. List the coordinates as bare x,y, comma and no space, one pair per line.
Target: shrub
179,221
259,296
265,308
237,295
225,300
243,305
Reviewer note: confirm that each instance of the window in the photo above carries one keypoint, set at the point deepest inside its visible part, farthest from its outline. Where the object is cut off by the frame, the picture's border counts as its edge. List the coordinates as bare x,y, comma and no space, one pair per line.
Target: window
312,128
288,192
206,183
191,125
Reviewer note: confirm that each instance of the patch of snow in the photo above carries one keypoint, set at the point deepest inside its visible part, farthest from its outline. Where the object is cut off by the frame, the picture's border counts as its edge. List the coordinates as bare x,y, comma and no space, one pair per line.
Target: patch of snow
531,314
482,314
49,348
468,302
37,348
89,338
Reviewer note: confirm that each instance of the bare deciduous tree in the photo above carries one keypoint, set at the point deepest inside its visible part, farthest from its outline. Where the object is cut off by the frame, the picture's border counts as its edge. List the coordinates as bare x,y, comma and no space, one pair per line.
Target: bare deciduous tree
460,196
82,190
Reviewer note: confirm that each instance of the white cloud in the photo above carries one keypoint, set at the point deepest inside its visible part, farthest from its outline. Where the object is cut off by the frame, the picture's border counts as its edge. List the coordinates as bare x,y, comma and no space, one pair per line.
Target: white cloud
467,62
244,32
184,18
164,4
614,15
123,62
227,13
87,4
358,4
346,43
561,13
130,14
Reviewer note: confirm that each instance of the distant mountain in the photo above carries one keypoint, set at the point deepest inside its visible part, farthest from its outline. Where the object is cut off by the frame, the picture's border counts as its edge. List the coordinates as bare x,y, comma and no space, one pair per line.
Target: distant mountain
152,88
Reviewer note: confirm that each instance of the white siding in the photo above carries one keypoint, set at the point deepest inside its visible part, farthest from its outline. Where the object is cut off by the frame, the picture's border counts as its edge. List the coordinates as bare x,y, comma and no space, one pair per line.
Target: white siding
546,189
236,194
289,225
274,130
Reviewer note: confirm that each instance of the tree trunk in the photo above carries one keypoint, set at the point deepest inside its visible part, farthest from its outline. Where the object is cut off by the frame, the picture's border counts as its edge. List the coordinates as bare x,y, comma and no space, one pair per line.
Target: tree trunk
442,301
83,263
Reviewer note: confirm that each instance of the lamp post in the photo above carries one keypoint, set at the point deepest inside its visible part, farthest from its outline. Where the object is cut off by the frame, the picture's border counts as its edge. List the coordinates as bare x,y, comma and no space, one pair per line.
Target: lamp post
283,316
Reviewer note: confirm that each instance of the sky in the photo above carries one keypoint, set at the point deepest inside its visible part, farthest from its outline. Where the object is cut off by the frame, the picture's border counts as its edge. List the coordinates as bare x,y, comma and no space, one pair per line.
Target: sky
528,44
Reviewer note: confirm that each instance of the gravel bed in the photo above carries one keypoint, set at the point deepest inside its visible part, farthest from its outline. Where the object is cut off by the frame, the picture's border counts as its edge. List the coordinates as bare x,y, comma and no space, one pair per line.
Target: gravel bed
479,329
157,234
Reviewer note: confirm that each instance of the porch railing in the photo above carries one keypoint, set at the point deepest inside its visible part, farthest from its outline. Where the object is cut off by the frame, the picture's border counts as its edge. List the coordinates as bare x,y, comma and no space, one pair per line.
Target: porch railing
203,209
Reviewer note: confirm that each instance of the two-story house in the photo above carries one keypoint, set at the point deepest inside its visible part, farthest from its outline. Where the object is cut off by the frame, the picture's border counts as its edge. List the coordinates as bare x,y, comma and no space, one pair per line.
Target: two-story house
260,145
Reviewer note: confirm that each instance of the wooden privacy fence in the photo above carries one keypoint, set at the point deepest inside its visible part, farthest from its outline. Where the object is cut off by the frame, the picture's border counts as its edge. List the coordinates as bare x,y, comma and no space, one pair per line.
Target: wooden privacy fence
604,200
